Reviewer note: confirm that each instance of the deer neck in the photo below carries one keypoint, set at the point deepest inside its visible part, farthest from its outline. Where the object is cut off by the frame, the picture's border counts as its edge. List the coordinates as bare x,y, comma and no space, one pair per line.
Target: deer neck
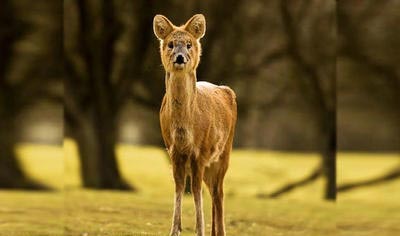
180,95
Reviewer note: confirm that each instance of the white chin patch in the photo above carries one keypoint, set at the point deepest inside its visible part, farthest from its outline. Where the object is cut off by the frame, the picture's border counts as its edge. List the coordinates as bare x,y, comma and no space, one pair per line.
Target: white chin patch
179,66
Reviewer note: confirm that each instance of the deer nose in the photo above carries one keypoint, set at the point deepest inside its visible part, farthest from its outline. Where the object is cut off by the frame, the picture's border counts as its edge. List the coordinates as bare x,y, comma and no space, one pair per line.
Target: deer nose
180,59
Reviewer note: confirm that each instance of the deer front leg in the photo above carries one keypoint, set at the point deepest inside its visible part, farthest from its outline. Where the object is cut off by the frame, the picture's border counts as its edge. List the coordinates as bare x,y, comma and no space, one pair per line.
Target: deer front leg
179,178
197,178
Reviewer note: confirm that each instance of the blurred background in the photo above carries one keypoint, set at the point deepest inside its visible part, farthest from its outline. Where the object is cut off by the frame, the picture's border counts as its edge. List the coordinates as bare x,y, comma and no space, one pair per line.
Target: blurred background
317,86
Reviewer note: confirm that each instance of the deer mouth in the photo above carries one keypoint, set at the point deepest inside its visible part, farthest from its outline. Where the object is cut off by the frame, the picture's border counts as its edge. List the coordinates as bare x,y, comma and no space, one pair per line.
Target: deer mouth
179,66
179,61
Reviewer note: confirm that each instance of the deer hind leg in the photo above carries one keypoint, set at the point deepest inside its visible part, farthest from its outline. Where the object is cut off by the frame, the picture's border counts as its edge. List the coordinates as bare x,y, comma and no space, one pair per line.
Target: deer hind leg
208,179
197,179
213,177
178,167
218,207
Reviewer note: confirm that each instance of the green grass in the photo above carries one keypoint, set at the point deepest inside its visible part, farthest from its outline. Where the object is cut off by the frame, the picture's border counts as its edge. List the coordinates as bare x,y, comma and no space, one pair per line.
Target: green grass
75,211
370,210
31,213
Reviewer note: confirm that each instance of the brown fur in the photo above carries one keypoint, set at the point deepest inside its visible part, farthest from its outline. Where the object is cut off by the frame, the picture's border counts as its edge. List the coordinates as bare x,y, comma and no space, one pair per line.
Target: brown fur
197,122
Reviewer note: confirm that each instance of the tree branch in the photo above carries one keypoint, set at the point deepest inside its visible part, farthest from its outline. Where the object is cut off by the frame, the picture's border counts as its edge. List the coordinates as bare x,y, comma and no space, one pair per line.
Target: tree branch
267,60
142,101
134,61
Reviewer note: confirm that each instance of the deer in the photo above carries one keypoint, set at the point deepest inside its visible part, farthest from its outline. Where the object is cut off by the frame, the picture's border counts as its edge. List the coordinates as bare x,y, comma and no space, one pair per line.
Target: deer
197,120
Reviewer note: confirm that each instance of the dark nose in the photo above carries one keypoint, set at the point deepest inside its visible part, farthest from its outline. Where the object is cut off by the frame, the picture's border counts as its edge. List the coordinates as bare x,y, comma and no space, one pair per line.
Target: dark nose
180,59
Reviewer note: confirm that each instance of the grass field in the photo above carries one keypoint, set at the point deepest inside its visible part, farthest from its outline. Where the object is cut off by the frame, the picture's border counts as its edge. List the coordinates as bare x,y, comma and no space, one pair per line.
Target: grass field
75,211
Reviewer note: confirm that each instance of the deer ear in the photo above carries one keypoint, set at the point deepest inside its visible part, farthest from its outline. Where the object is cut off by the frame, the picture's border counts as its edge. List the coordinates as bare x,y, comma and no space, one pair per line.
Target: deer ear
196,26
162,26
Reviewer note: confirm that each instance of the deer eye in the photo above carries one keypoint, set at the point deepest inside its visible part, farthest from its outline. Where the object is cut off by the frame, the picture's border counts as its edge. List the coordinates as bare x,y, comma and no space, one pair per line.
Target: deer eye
189,46
171,45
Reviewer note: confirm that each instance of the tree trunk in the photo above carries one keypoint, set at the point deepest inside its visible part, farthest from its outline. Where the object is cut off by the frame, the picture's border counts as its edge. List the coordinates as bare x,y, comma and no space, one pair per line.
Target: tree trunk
329,159
11,174
96,140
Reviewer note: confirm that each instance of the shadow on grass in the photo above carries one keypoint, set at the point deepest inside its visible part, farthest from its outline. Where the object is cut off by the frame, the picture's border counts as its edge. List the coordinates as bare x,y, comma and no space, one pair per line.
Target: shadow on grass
389,176
314,175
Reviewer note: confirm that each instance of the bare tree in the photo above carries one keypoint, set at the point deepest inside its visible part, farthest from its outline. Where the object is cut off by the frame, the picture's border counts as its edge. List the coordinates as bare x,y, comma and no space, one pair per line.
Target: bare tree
369,47
105,47
321,78
24,82
317,78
